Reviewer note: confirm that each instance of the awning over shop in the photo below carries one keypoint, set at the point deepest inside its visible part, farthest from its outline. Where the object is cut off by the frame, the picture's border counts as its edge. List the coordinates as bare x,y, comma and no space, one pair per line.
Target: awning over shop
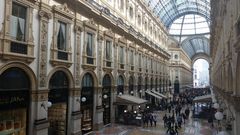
205,98
129,100
159,94
153,94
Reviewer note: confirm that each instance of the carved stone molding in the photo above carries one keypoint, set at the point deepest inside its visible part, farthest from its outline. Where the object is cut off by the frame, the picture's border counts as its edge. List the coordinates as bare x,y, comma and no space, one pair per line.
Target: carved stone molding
123,40
64,11
109,33
39,95
88,66
78,29
45,15
90,24
75,92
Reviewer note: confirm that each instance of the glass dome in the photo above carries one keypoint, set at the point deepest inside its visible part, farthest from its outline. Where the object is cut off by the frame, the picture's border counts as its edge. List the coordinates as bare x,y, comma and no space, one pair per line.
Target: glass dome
190,24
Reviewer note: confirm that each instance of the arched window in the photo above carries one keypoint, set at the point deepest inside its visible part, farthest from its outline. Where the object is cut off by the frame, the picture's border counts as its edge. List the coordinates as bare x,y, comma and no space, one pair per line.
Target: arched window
121,4
14,76
120,80
150,30
130,85
120,87
176,56
107,80
139,20
131,12
58,80
87,80
145,25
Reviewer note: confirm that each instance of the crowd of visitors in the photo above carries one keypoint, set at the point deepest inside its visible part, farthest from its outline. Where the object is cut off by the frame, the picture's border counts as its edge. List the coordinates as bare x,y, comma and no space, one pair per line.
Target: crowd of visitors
177,110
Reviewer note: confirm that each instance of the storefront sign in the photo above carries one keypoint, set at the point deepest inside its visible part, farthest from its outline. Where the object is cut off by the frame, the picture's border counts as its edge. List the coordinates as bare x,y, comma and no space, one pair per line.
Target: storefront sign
13,99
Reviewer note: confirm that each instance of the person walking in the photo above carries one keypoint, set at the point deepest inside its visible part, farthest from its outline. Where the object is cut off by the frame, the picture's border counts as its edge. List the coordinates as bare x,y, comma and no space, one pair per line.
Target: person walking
165,119
179,121
151,119
155,119
187,111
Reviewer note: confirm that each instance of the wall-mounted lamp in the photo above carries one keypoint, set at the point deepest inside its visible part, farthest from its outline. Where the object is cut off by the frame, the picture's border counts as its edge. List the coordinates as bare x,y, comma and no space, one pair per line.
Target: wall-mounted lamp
125,111
45,106
105,96
216,105
218,115
83,99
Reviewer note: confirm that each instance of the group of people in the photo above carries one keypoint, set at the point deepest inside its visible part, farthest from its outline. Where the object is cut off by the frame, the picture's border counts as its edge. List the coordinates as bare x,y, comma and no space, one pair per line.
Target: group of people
177,110
149,118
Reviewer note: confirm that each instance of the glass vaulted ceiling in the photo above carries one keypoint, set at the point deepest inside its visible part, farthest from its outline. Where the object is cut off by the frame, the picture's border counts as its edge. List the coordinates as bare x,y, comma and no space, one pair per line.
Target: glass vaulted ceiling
187,21
170,10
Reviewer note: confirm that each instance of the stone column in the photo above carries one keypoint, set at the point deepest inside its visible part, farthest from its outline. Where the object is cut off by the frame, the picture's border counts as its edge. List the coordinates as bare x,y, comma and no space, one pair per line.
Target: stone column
40,96
75,121
98,123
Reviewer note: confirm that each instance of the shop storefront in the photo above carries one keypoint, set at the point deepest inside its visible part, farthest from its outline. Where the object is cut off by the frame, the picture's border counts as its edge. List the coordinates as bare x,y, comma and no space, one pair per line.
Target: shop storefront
120,108
140,87
14,102
58,96
87,103
147,97
153,100
106,100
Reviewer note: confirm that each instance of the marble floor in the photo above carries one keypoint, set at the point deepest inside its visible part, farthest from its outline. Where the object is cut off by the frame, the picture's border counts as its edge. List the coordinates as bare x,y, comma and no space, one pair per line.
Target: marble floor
191,127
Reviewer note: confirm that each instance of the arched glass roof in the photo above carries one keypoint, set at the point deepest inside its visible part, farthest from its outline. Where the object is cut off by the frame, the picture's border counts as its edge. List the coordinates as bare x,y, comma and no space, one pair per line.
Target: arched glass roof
196,45
187,21
170,10
190,24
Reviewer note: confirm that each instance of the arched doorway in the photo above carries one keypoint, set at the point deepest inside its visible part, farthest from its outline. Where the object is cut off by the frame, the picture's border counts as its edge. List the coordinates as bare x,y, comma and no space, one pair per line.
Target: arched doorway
106,100
146,88
120,108
152,97
140,86
14,101
120,86
87,103
130,86
156,84
176,86
58,96
160,85
201,73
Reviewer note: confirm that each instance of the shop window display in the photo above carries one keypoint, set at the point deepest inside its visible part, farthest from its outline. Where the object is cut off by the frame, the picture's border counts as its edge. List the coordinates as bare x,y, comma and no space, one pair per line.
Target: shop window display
13,122
58,95
14,101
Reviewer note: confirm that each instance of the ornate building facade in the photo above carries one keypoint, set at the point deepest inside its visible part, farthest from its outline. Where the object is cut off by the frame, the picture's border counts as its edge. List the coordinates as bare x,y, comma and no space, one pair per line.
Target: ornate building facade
225,60
180,67
63,63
